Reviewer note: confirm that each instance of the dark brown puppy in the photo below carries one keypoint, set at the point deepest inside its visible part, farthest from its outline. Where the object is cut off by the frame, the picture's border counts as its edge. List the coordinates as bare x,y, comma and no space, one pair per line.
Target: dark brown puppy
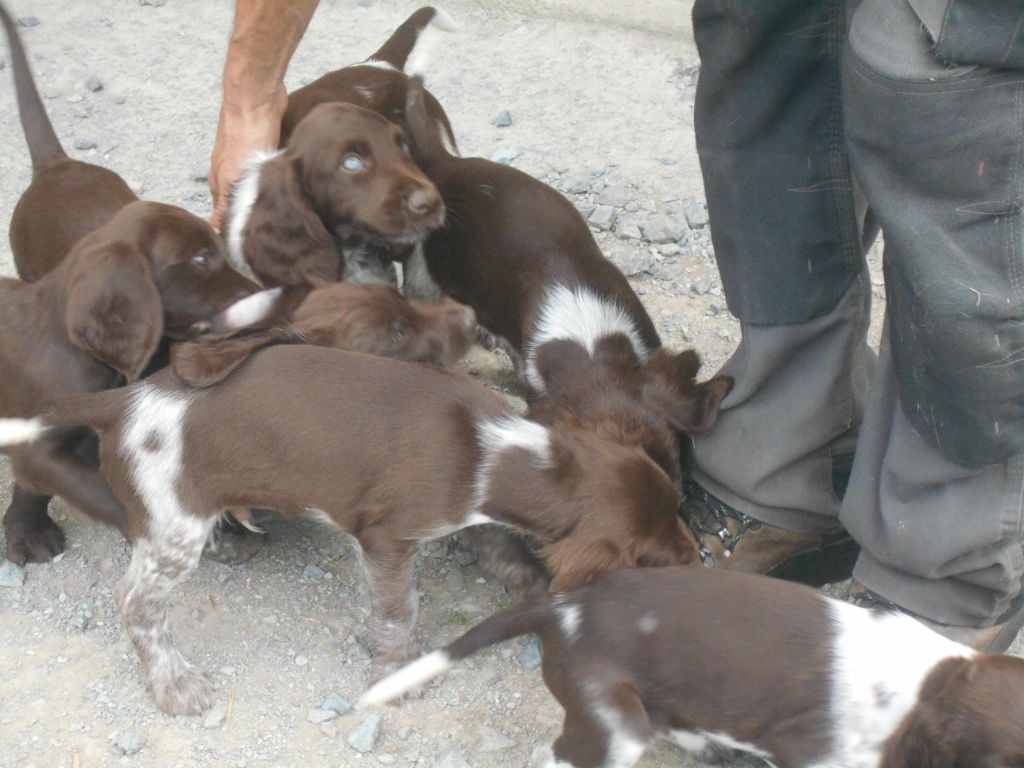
379,83
523,257
393,453
773,669
374,319
89,324
333,205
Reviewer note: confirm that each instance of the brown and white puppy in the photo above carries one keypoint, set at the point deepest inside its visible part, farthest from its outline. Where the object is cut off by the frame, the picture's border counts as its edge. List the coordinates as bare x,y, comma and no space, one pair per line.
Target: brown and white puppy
392,453
727,661
91,323
379,83
375,319
335,204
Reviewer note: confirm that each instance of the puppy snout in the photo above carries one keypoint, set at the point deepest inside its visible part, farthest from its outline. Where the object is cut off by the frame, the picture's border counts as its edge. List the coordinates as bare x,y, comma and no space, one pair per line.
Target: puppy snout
423,201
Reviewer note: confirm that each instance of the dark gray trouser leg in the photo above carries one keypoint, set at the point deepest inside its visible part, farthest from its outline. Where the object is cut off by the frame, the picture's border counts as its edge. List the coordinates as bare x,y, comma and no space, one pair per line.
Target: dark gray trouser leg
788,242
936,494
962,561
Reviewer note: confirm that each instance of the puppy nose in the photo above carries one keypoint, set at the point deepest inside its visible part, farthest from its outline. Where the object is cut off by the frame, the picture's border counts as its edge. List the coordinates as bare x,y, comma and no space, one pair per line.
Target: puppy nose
423,201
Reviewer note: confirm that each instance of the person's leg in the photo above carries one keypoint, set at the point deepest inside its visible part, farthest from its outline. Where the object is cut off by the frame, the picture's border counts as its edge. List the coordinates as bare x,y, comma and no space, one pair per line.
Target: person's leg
935,498
789,244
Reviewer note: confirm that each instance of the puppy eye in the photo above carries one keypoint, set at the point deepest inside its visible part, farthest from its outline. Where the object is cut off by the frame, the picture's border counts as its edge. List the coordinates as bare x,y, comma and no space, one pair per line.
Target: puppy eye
352,163
404,146
201,259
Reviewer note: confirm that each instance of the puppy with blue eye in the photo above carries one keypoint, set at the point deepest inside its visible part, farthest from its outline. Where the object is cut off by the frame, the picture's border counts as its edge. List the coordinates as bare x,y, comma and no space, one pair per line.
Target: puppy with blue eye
341,201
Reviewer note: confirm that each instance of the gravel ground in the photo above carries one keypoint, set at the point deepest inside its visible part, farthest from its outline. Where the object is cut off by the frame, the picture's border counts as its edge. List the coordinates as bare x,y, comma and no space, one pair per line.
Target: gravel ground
598,108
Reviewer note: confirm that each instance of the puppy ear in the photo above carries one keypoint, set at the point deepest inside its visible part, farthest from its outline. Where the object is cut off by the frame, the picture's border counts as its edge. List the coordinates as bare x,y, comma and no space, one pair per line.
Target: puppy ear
285,242
113,310
576,564
209,359
690,407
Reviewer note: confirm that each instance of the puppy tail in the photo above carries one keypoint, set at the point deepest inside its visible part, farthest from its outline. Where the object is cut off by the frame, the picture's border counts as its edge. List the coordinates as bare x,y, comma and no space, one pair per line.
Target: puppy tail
43,145
89,409
21,431
409,47
426,135
528,616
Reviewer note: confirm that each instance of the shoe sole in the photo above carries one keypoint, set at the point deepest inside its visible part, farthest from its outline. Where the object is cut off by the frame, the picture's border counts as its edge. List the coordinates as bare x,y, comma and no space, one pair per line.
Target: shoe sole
828,565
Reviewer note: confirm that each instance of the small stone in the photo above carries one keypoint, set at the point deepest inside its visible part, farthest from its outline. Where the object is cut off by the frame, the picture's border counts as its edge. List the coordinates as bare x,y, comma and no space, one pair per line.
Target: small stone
363,3
153,3
700,286
603,217
451,759
577,186
357,652
662,228
270,618
313,572
696,214
614,194
301,661
628,230
669,249
215,717
93,83
119,98
28,21
504,119
638,263
227,671
11,575
504,155
363,738
529,657
319,716
491,740
386,759
128,742
336,704
74,98
668,161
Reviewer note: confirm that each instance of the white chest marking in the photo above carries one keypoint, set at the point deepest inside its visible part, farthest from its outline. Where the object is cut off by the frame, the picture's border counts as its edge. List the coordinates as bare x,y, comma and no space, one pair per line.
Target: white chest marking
243,197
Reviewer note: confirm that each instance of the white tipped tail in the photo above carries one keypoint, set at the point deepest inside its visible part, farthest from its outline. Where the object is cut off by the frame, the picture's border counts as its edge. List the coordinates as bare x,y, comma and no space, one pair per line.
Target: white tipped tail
427,42
408,678
19,431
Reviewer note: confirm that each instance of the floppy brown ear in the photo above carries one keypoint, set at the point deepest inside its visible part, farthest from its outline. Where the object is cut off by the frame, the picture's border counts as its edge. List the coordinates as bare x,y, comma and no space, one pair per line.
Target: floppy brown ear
285,242
113,310
204,361
670,387
576,564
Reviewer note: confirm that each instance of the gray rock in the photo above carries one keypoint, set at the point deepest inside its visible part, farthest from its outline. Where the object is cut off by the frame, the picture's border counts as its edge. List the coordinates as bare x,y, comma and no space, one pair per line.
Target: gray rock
93,83
627,229
669,249
128,742
336,704
81,142
700,286
504,155
451,759
662,228
491,740
313,572
576,186
638,263
301,661
603,217
153,3
319,716
357,652
504,119
215,717
28,21
11,575
696,214
614,194
529,657
363,738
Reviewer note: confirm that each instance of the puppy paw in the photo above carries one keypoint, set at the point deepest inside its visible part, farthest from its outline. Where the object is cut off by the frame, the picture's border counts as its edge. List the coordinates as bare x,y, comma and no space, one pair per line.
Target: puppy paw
232,544
38,541
188,693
